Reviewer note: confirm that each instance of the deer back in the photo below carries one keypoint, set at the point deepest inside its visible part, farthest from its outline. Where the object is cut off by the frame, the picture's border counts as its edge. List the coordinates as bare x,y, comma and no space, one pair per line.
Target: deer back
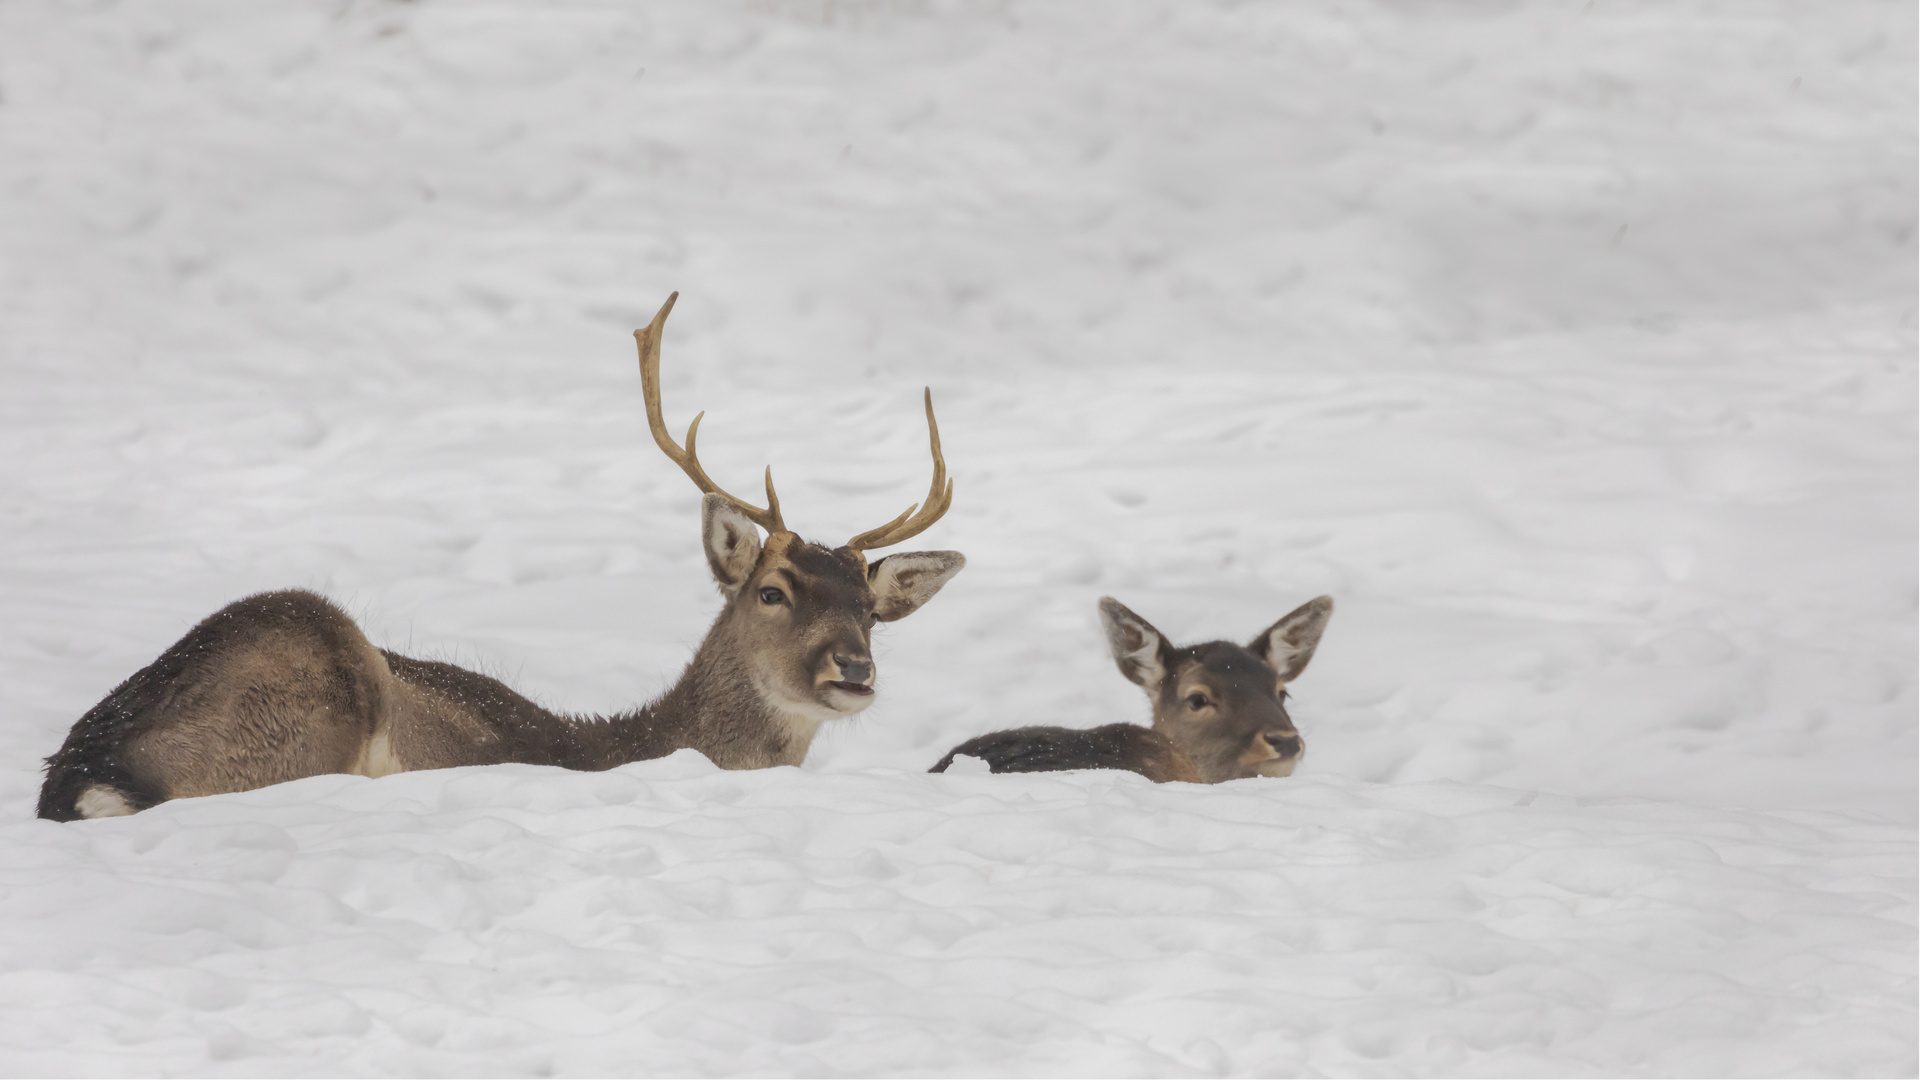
271,688
1055,749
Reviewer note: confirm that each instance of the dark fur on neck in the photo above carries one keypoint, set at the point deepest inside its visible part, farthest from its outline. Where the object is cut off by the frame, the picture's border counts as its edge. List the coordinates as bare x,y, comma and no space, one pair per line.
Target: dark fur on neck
712,708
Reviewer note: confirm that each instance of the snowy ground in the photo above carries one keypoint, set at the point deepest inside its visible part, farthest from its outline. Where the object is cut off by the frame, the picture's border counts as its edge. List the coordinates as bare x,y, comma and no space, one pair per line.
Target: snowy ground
1571,347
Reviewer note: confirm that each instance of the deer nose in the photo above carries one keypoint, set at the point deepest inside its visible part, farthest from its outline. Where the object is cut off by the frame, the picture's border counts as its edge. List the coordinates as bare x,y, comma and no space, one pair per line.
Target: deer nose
854,670
1284,743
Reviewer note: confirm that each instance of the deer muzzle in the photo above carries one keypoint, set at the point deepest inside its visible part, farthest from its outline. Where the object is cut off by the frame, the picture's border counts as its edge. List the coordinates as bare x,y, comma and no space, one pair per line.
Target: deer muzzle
1286,744
856,675
1282,753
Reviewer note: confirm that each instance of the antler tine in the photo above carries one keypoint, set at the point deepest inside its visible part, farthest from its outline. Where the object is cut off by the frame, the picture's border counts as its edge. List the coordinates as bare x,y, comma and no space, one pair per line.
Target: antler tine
648,339
939,498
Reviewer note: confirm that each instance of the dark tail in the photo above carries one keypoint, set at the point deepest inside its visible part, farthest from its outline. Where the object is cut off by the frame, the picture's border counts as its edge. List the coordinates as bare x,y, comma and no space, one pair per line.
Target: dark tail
66,782
90,755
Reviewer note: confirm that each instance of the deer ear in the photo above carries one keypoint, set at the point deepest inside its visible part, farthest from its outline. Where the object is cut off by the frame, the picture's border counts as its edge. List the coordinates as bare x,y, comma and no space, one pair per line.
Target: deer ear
903,582
1141,651
732,542
1289,643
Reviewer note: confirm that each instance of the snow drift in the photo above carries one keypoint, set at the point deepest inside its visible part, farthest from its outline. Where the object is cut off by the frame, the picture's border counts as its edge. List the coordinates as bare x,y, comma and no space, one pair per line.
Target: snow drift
1570,348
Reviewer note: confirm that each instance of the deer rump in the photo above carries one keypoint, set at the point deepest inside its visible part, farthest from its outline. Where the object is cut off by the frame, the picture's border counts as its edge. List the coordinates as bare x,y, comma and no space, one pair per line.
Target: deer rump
284,685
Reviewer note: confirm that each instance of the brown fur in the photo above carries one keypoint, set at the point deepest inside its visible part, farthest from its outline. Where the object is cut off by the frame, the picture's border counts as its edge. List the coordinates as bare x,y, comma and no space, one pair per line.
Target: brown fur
283,685
1219,709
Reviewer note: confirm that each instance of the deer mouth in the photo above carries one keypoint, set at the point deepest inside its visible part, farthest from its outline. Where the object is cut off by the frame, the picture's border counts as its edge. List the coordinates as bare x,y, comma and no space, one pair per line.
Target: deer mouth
1279,766
854,688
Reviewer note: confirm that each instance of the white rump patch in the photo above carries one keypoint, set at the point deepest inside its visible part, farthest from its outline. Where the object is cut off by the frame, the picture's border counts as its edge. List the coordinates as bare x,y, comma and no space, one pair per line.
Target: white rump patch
101,801
377,758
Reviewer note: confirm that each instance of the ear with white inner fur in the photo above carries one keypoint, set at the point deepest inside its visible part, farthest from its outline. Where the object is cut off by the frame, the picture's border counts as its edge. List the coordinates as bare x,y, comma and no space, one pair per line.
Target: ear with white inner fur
732,542
1141,651
1289,643
903,582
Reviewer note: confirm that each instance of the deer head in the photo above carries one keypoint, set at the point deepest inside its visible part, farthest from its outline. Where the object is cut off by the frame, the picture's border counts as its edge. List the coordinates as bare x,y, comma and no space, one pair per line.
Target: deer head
1221,704
799,615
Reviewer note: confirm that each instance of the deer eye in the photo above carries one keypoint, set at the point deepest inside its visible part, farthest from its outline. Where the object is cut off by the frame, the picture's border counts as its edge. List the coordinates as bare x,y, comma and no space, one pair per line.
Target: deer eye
1196,701
772,595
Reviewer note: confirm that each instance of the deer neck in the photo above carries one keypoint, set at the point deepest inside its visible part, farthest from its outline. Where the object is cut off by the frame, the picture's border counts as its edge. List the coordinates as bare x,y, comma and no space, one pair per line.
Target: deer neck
721,706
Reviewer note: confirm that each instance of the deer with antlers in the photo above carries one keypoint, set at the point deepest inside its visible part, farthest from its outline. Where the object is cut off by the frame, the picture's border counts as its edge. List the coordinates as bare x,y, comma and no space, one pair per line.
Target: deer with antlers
284,685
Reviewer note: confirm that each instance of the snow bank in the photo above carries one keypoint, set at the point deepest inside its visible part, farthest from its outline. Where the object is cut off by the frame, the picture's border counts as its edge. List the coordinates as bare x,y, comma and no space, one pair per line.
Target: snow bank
670,918
1571,348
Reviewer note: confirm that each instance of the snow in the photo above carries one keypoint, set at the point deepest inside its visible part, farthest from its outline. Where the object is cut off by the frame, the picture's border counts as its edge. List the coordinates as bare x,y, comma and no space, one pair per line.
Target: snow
672,918
1570,347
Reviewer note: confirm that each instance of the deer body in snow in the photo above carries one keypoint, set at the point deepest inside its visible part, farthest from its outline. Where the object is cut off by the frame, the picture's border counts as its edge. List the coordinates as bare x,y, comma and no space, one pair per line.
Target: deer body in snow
284,685
1219,709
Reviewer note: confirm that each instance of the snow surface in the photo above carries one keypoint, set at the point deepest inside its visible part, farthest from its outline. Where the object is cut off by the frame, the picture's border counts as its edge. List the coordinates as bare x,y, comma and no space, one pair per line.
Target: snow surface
1571,347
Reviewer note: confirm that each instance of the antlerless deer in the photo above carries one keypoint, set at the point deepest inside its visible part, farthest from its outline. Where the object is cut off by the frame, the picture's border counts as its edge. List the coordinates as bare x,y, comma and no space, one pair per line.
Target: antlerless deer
1219,710
283,685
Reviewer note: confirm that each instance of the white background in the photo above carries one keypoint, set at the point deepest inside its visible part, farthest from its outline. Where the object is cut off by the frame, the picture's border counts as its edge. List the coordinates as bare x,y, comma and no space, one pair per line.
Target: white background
1570,347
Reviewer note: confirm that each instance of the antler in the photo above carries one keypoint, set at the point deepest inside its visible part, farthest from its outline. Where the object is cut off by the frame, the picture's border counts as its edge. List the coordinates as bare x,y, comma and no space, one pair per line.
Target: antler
938,499
689,462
